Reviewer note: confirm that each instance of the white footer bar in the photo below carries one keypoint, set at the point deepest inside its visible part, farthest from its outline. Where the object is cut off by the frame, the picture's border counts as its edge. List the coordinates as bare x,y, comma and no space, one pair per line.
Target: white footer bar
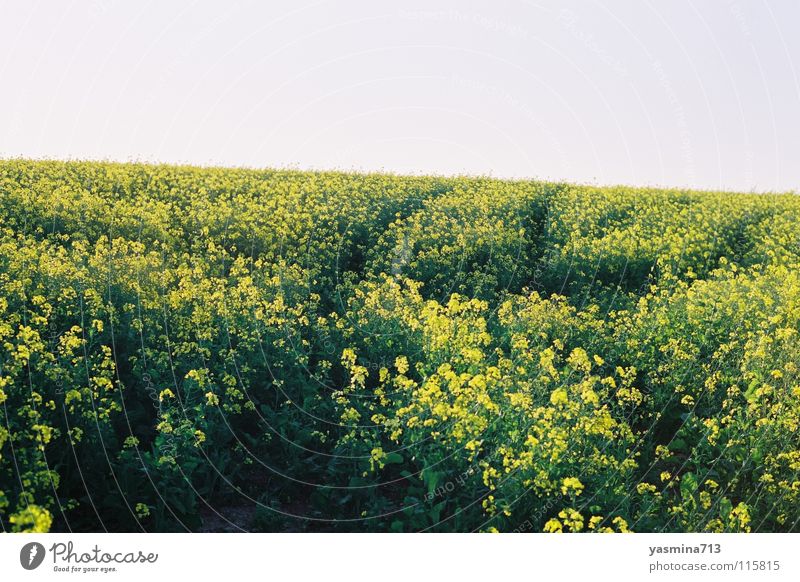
388,557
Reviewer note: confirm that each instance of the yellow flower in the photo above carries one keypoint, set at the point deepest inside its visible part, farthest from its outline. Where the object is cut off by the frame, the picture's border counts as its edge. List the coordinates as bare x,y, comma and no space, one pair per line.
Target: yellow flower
571,486
142,510
401,363
571,519
32,519
740,517
645,488
622,525
579,360
376,458
559,396
553,526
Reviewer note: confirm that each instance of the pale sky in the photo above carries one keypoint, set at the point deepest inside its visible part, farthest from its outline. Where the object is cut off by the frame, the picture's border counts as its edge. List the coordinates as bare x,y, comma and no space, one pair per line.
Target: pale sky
702,94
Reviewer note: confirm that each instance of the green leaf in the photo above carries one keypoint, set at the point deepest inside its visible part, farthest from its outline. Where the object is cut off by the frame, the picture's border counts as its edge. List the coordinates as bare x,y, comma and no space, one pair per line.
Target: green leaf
393,459
678,446
688,486
749,394
431,479
725,508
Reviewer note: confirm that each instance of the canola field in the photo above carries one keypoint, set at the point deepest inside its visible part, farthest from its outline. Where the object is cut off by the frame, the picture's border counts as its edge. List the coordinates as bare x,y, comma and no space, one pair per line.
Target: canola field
189,349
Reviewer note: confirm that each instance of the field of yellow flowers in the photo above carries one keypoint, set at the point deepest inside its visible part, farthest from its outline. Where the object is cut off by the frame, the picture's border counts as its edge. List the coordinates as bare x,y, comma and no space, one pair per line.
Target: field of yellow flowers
342,352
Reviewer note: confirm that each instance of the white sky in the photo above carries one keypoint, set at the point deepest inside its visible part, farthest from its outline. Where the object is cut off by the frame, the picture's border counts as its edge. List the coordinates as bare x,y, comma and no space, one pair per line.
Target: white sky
697,93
